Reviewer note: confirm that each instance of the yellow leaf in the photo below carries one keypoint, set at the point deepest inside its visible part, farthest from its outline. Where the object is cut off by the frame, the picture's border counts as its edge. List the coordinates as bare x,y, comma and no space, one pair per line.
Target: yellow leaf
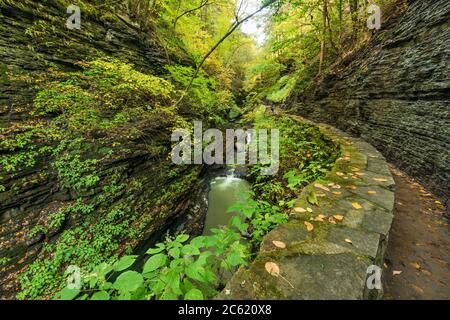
308,225
349,241
321,186
338,193
279,244
331,220
338,217
380,179
415,265
339,174
319,218
272,268
356,205
299,209
371,192
309,209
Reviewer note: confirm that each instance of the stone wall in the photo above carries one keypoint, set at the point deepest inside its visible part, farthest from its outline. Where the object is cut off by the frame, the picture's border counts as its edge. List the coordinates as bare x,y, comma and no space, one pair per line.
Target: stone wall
395,93
350,227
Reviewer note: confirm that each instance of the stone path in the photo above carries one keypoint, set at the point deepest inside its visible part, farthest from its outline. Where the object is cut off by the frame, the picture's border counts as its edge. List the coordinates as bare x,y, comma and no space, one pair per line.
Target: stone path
419,245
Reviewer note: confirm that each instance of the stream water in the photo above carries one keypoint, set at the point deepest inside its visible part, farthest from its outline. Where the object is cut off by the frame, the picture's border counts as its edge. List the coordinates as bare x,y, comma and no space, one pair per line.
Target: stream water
224,192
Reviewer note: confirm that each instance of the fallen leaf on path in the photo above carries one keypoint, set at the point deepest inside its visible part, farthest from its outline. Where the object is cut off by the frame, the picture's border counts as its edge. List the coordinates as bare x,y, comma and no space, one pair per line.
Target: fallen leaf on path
338,217
320,218
272,268
331,220
348,241
339,174
338,193
321,186
309,226
299,209
380,179
356,205
279,244
371,192
415,265
396,272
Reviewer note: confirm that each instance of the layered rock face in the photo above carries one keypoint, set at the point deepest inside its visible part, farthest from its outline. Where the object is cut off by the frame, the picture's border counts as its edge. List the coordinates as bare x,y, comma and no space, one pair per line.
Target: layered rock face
395,93
138,194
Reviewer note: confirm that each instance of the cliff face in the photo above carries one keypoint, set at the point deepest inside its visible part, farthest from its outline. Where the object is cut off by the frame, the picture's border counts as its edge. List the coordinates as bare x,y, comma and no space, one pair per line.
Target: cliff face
136,192
395,93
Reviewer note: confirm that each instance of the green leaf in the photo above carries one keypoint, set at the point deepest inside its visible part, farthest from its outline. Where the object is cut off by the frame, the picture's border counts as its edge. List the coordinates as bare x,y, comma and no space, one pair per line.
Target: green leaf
190,250
67,294
182,238
128,281
155,250
101,295
312,198
124,263
174,252
155,262
194,294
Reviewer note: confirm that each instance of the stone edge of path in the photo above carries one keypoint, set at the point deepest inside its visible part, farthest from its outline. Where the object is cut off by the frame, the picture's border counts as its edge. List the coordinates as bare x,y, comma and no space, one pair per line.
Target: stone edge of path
332,260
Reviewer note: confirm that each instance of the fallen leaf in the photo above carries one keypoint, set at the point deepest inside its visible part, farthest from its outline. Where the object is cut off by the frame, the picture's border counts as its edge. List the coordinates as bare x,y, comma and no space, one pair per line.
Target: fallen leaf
299,209
339,174
309,210
320,218
321,186
279,244
380,179
336,186
308,225
415,265
348,241
272,268
360,174
356,205
338,193
352,187
355,169
396,272
338,217
331,220
371,192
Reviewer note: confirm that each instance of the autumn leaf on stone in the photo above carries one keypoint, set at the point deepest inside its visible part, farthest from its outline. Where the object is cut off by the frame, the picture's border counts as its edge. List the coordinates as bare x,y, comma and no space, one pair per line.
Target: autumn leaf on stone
308,225
356,205
272,268
338,217
320,218
321,186
279,244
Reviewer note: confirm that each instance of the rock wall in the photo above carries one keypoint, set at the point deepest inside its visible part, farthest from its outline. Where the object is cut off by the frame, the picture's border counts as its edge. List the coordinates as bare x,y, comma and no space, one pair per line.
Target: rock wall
395,93
33,38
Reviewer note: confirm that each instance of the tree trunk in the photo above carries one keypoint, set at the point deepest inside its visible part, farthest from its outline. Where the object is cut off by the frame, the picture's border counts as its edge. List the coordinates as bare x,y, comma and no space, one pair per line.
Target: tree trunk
324,35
